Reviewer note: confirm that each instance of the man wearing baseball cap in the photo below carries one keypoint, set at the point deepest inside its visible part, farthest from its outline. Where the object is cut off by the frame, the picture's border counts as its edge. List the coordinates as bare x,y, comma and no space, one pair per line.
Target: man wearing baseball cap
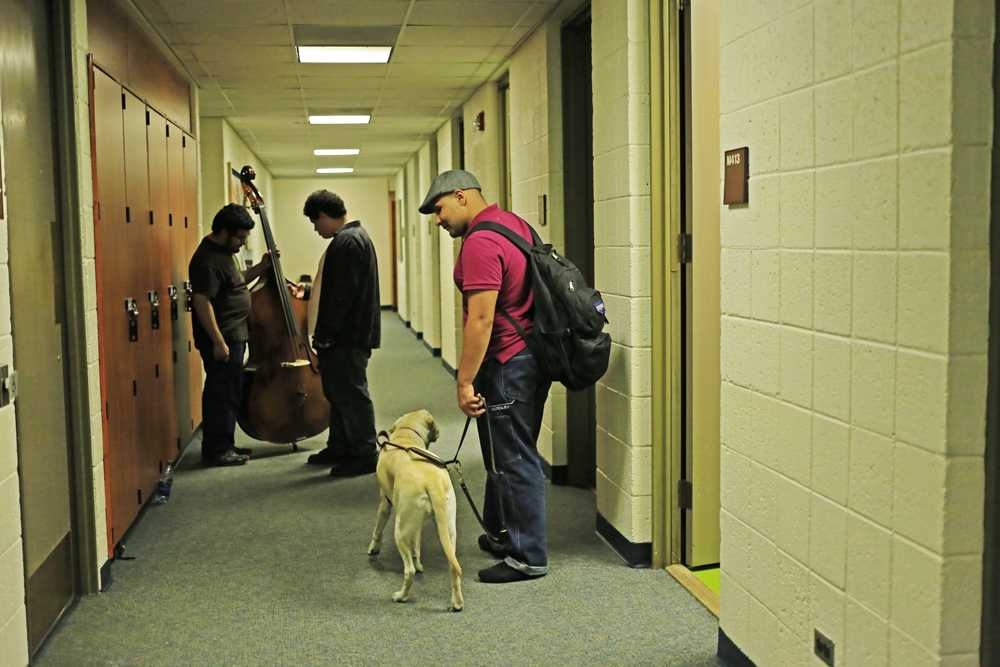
497,371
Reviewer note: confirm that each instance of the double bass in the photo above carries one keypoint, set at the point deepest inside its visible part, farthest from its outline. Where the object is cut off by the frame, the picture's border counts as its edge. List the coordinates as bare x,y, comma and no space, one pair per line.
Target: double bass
283,397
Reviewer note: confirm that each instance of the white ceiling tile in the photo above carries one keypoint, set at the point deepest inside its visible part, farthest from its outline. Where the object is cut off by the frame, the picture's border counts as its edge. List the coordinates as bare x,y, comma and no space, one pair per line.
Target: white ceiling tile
348,12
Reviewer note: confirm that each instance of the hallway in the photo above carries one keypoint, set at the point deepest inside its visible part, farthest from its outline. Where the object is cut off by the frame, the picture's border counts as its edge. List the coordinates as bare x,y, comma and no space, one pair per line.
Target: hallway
265,564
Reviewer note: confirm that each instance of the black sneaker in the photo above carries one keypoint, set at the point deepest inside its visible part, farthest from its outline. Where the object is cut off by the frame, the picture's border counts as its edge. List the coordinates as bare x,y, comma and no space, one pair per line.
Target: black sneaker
227,458
324,457
492,547
501,573
243,451
354,467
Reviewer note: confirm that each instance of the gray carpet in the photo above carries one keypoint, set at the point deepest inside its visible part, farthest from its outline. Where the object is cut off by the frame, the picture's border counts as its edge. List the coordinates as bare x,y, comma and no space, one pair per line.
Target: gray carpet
265,564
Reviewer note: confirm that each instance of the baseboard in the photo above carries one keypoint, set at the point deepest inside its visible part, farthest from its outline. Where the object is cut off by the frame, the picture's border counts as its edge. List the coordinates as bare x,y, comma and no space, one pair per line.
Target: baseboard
407,323
558,475
451,371
420,334
634,554
435,351
391,309
730,654
107,579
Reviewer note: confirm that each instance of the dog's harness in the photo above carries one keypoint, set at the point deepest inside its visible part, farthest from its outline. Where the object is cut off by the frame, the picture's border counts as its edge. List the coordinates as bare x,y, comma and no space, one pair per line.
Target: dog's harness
427,456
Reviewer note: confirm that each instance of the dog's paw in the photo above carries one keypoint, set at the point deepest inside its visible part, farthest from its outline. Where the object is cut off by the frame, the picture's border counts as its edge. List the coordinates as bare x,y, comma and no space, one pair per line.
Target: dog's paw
419,566
454,608
400,596
374,549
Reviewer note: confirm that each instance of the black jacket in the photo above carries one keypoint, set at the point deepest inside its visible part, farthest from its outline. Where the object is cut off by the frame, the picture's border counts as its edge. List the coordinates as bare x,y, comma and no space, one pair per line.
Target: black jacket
349,305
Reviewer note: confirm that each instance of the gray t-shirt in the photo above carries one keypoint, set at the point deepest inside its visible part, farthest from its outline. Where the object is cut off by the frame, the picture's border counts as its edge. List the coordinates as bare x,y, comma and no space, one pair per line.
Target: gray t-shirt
214,274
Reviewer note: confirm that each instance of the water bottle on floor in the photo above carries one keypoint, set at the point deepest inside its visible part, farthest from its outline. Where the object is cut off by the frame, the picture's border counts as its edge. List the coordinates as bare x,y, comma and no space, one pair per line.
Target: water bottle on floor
162,494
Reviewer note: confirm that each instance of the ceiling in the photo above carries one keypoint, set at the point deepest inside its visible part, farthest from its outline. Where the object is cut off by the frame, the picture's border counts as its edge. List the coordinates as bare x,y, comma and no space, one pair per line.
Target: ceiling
241,54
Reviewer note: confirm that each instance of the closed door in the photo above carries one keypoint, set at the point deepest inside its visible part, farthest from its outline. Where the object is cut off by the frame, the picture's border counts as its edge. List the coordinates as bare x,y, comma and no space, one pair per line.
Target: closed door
180,321
37,311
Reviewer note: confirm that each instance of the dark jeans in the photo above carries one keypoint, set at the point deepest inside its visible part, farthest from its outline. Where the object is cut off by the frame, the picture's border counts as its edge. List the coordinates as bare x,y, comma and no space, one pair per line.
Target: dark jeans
515,394
220,399
352,416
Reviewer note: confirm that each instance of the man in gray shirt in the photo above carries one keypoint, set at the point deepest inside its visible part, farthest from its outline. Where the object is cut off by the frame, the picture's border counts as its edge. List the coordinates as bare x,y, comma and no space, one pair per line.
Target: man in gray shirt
221,310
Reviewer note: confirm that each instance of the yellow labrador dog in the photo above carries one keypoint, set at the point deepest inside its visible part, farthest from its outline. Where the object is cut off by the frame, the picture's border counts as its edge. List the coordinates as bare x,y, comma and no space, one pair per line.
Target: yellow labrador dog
415,487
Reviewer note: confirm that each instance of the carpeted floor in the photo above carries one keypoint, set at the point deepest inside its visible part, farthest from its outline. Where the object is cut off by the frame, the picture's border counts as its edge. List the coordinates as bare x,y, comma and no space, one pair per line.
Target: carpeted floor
265,564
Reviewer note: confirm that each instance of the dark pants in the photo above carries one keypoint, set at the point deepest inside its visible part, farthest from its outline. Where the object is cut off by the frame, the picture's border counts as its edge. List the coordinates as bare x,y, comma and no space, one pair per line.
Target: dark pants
220,399
515,394
352,415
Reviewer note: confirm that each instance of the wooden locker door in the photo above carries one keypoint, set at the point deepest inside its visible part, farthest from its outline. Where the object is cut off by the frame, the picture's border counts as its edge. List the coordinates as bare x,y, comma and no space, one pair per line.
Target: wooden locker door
179,256
162,412
113,275
193,239
141,279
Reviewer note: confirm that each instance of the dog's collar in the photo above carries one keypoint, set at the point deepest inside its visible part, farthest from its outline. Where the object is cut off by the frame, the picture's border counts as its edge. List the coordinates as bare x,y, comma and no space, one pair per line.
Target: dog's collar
415,432
383,441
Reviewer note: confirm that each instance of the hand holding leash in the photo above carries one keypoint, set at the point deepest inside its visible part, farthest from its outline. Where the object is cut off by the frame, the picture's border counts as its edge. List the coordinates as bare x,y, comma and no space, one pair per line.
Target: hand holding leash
471,403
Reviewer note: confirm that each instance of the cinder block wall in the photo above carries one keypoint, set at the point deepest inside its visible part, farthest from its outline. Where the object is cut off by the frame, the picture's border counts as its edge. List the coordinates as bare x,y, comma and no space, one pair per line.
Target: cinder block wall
854,298
429,251
451,302
622,270
402,263
413,283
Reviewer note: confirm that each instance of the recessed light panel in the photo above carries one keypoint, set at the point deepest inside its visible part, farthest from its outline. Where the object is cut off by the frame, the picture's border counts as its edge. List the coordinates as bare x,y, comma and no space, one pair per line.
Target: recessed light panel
344,54
335,170
336,151
341,119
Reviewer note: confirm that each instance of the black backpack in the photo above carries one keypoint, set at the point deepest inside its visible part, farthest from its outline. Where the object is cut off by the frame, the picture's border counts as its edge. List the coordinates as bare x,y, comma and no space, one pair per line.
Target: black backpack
567,340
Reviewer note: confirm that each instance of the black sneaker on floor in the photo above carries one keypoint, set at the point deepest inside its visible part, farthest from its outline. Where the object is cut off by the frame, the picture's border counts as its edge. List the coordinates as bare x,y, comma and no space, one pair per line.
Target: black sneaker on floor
324,457
227,458
353,467
242,451
501,573
492,547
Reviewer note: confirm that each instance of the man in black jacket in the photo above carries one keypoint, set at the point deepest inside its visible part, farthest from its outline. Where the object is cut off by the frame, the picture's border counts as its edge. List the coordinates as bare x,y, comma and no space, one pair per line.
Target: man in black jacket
345,322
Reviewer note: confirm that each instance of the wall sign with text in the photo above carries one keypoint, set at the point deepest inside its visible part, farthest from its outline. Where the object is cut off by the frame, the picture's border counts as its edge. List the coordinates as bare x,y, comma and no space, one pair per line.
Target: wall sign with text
737,163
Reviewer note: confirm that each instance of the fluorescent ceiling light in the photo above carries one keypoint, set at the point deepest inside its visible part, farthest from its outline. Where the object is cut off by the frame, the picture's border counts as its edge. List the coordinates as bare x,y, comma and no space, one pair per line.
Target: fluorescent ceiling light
344,54
335,170
336,151
343,119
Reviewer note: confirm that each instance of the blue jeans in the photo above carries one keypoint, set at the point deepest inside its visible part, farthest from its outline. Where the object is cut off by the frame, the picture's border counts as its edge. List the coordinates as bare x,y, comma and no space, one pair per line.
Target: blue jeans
515,394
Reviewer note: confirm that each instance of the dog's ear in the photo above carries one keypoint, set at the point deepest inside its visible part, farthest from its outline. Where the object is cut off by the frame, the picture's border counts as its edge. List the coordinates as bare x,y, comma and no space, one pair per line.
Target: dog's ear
432,427
392,429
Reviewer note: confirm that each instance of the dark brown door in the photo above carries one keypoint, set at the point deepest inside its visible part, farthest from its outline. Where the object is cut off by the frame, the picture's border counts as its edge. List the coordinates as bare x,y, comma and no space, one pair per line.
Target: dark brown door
118,353
578,166
141,279
37,311
160,404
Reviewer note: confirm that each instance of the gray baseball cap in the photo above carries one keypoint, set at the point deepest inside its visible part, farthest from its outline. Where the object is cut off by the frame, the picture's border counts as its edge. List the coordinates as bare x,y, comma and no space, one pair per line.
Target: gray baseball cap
445,183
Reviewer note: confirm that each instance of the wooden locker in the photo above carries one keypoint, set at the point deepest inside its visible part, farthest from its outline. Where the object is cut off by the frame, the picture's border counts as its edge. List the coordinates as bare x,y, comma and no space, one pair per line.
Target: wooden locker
141,280
161,408
113,275
179,256
193,239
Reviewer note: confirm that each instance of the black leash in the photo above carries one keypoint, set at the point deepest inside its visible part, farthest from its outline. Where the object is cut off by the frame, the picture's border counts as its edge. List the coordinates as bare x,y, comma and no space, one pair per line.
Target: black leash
426,455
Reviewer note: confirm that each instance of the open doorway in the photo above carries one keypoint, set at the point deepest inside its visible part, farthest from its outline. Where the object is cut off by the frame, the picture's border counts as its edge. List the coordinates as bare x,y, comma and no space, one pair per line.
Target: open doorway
578,188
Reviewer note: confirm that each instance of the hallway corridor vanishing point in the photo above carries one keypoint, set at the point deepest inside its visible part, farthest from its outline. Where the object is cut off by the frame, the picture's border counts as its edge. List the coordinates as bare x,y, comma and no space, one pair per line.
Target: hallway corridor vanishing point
265,565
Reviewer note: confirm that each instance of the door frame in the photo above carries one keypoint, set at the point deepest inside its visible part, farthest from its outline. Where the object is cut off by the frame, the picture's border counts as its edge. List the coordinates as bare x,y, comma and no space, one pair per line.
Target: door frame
990,630
392,244
666,157
70,171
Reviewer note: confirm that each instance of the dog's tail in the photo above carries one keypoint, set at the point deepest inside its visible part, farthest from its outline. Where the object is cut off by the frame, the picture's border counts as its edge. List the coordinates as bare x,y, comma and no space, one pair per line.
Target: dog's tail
444,517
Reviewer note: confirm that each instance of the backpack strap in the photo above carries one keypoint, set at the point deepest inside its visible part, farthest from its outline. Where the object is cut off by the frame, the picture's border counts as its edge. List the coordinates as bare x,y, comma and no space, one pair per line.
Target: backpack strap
522,245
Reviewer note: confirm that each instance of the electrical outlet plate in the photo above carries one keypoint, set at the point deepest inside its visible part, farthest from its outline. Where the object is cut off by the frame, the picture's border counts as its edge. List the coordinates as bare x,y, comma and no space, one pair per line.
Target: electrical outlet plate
823,647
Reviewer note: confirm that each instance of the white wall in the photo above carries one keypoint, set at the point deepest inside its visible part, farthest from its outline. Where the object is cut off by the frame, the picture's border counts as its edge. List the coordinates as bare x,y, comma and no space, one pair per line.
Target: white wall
413,247
621,262
222,149
429,251
402,245
451,301
367,199
854,297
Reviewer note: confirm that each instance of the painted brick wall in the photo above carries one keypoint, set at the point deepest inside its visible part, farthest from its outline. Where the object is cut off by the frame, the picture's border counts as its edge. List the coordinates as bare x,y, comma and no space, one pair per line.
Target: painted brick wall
13,621
854,328
622,271
451,303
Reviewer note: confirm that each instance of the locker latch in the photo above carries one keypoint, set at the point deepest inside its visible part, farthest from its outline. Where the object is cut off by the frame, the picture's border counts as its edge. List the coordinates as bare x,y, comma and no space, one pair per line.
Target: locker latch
132,311
172,295
154,312
8,386
188,296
